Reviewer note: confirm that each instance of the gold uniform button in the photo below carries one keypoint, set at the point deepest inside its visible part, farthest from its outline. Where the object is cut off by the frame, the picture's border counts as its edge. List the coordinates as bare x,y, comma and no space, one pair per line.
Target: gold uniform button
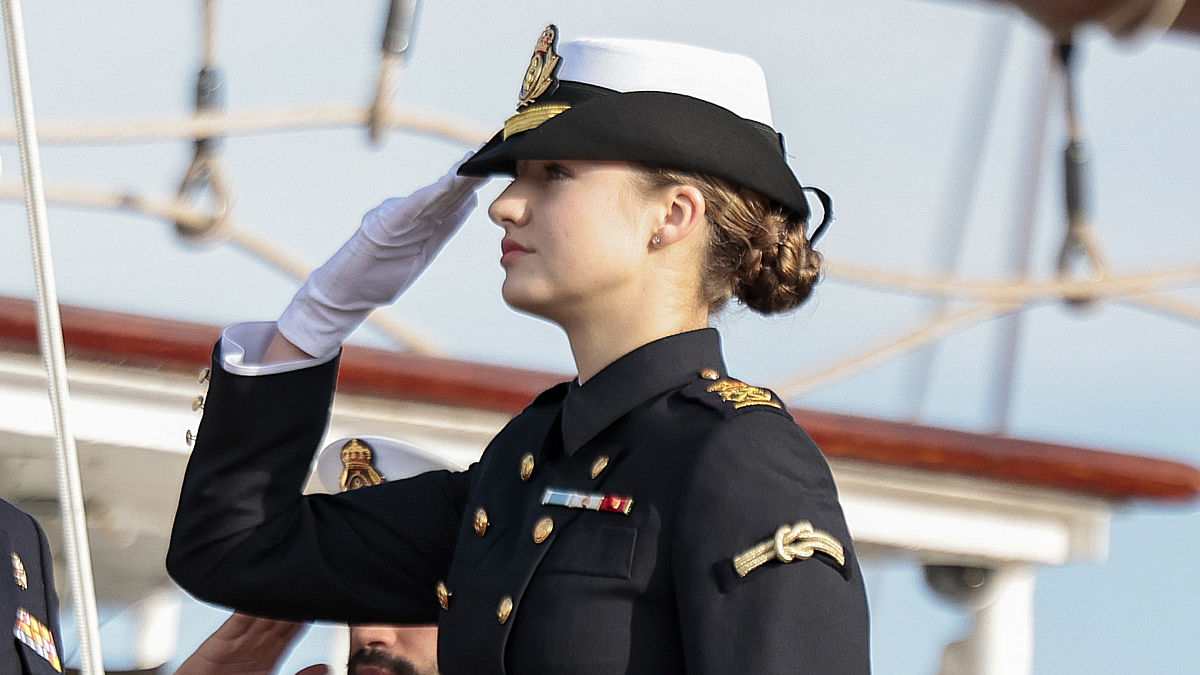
542,530
505,609
443,595
526,466
710,374
481,522
599,465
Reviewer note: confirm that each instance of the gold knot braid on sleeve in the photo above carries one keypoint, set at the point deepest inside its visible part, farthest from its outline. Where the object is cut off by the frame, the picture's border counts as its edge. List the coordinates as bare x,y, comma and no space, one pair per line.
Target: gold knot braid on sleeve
790,542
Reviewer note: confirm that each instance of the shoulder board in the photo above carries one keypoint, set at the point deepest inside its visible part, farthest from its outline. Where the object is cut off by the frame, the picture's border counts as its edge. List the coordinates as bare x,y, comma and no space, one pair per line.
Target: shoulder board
731,397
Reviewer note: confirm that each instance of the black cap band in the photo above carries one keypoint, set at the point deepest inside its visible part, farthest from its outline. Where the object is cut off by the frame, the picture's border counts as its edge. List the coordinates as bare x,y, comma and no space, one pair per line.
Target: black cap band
654,128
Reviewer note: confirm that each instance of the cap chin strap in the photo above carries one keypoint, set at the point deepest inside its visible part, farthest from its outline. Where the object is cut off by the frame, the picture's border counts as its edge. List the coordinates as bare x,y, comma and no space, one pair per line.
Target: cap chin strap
827,216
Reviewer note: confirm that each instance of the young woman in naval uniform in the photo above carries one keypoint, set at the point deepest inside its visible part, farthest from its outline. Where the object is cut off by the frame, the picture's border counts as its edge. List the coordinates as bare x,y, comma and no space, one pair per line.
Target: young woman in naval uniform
654,515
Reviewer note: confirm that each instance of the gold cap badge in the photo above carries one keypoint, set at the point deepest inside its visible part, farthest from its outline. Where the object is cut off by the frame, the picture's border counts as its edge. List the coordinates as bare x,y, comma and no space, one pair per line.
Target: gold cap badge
357,469
540,74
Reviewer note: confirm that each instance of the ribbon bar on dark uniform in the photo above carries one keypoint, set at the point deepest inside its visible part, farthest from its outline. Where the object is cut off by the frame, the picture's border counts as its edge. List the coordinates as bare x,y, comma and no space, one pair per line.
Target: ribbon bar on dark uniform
583,500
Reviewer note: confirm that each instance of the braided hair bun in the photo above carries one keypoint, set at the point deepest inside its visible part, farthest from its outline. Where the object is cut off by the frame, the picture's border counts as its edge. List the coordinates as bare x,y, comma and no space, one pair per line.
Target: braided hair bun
757,252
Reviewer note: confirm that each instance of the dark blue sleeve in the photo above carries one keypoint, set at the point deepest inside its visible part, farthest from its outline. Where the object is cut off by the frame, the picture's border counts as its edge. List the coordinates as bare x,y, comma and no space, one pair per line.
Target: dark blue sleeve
46,565
246,537
759,471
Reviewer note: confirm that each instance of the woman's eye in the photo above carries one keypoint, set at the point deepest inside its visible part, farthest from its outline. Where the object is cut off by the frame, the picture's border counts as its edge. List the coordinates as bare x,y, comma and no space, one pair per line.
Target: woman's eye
556,172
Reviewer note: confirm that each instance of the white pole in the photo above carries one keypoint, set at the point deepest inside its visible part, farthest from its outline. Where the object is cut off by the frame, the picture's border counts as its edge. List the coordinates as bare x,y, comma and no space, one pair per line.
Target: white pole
74,520
1003,630
1000,603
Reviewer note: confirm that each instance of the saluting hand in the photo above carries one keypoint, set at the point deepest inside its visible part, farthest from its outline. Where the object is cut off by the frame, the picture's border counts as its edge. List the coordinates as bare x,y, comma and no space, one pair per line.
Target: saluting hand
396,241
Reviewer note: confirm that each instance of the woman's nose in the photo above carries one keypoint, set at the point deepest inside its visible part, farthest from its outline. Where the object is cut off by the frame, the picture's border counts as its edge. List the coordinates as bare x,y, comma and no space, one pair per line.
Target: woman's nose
510,209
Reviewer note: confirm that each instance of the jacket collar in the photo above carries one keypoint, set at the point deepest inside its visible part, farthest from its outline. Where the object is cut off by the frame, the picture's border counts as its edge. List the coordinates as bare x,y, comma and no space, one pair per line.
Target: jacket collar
649,370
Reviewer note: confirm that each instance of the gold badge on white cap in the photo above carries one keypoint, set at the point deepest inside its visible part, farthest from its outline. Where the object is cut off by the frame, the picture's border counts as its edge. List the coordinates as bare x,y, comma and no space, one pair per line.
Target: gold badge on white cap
539,77
540,74
358,470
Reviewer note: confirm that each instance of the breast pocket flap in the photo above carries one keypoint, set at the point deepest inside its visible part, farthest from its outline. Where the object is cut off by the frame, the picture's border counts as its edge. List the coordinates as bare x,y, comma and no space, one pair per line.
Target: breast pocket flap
596,550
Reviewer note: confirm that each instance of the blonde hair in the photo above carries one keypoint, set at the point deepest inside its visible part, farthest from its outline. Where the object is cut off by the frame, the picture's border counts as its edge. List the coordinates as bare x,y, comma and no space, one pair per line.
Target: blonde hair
757,251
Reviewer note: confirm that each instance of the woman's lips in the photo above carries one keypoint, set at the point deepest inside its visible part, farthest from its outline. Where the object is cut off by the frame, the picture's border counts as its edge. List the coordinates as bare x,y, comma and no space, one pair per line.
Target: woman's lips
511,250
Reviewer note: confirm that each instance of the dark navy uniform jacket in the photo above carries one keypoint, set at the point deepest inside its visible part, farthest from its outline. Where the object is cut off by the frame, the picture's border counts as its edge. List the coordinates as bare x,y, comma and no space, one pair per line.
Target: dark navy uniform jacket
28,603
518,586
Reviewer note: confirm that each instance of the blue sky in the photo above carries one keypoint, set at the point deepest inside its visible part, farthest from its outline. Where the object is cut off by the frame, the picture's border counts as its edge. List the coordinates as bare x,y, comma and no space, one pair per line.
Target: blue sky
872,98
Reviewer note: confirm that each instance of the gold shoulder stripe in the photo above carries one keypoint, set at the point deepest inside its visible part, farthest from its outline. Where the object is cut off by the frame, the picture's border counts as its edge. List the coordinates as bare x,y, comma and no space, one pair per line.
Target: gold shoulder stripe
741,394
791,542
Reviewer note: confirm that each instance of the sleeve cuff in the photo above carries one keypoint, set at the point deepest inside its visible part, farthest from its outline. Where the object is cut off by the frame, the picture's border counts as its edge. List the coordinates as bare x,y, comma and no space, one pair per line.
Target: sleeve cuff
244,344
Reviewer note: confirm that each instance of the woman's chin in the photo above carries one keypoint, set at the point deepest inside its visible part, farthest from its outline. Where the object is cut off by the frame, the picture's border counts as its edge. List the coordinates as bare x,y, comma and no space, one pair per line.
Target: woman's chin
525,300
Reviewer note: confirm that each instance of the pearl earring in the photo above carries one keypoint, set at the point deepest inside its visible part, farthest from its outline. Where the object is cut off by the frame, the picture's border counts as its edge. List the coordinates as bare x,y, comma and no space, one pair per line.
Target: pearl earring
656,240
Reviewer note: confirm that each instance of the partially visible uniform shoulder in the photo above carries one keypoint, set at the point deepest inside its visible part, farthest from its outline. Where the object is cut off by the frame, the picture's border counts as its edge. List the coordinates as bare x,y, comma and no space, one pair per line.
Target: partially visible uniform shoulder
552,396
754,422
14,519
730,398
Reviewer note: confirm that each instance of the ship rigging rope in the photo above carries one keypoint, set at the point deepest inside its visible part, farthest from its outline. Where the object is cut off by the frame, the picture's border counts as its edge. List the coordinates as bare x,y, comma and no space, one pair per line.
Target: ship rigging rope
70,491
1023,290
193,126
173,210
929,332
944,326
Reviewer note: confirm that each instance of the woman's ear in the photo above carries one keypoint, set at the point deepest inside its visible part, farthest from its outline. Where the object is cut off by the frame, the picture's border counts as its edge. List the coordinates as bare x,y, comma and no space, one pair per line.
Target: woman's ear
683,215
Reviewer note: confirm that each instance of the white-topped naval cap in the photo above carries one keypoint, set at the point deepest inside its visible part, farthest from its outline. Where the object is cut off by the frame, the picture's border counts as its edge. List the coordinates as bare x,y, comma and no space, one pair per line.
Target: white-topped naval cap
392,458
732,81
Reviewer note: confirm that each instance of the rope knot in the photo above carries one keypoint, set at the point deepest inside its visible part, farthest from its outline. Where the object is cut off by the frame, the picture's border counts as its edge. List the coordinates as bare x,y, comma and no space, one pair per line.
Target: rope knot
784,536
791,542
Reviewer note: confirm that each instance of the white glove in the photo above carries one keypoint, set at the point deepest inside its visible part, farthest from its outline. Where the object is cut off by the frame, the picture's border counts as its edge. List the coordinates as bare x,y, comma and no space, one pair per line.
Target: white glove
396,241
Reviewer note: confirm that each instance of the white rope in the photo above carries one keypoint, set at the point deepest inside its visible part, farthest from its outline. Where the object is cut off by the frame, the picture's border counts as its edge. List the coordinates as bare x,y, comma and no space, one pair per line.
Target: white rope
840,270
1013,291
210,125
1177,309
175,211
928,333
70,493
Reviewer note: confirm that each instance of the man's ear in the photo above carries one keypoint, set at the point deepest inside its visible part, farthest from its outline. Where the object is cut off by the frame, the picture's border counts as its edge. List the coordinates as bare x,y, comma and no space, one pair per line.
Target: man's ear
683,214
